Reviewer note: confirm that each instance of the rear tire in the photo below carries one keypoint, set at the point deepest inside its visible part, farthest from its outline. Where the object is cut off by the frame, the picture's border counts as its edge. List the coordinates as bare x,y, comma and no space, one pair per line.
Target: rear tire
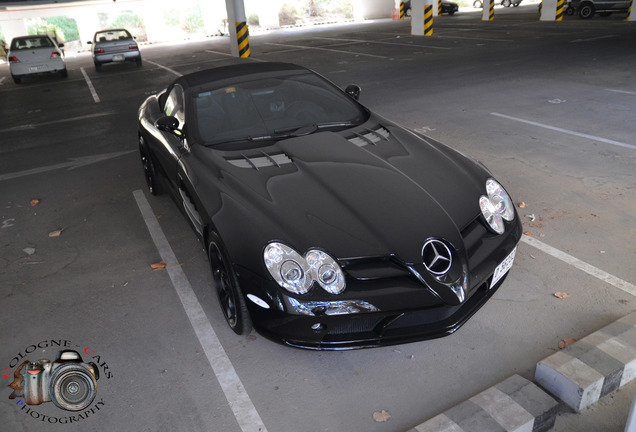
16,79
149,169
138,61
98,67
227,289
64,73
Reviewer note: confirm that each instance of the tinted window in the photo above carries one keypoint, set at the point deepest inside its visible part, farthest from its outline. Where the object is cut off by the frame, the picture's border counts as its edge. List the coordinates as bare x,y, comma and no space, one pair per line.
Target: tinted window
268,106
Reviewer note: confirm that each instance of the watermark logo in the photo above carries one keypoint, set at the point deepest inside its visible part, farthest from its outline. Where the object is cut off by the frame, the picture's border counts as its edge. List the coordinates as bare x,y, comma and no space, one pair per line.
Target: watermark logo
66,380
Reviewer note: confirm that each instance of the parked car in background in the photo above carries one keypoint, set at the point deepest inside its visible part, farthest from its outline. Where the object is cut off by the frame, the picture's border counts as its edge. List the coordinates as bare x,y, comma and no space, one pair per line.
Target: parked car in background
505,3
114,46
448,7
587,8
326,225
37,54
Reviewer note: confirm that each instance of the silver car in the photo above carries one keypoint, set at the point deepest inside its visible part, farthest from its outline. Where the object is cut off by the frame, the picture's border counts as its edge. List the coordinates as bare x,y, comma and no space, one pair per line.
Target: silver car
114,45
29,55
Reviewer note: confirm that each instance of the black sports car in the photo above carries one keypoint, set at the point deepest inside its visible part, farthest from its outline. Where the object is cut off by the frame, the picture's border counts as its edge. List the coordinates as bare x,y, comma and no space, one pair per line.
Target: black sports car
326,225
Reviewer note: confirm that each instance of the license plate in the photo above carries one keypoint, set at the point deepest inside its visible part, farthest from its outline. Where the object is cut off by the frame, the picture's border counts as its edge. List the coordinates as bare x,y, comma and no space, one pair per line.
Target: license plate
503,267
38,68
118,58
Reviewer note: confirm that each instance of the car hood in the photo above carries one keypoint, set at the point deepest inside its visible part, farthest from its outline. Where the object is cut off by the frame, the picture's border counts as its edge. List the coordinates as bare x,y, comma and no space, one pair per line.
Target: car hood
377,192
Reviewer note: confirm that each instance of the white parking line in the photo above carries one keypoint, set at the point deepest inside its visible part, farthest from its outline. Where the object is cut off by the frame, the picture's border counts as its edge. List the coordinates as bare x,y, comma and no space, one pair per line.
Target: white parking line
622,91
581,265
90,86
566,131
238,399
326,49
172,71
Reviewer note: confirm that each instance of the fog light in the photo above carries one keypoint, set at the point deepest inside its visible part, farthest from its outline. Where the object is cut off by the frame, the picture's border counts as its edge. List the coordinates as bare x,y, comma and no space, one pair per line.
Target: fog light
318,327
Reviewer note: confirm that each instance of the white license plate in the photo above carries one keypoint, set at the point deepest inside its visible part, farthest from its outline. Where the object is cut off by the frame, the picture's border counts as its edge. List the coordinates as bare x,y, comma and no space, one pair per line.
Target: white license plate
503,267
39,68
118,57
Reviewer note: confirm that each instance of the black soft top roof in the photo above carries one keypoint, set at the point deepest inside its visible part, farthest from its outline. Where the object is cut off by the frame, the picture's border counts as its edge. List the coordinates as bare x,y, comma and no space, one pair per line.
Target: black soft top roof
233,71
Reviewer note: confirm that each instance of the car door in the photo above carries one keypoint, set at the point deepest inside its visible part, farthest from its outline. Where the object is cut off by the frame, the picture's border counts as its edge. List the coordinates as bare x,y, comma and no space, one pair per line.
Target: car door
170,149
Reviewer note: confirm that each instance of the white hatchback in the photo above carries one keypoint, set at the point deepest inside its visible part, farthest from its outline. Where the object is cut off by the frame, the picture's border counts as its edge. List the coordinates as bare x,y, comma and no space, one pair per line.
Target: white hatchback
36,54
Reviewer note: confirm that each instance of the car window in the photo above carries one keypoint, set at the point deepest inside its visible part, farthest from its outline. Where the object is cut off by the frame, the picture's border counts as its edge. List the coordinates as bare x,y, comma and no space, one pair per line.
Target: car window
112,35
266,106
31,42
174,105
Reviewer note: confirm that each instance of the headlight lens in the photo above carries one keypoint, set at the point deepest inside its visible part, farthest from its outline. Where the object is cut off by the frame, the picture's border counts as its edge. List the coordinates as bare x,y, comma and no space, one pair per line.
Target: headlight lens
497,206
296,273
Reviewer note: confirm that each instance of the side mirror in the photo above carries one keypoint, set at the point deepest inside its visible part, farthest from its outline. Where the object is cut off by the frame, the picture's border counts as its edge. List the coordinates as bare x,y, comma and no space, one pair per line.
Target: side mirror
169,124
353,91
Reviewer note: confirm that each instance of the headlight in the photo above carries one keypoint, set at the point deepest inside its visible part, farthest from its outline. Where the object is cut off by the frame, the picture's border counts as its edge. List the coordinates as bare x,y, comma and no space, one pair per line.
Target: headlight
296,273
497,206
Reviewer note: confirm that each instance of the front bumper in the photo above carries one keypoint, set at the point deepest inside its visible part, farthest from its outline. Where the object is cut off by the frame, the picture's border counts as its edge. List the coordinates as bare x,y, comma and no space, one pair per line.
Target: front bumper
404,310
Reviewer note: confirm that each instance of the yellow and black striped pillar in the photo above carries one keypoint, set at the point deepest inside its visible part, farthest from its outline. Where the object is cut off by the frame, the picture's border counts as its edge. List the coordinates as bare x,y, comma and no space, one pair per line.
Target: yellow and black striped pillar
439,7
428,20
402,10
560,10
242,36
491,10
629,10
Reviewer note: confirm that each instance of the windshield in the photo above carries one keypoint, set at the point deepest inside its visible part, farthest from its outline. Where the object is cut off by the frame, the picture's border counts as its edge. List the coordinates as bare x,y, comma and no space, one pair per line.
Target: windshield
268,107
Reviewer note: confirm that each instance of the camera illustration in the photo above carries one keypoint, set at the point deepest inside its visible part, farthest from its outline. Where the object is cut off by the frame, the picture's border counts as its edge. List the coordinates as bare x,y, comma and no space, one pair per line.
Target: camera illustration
69,382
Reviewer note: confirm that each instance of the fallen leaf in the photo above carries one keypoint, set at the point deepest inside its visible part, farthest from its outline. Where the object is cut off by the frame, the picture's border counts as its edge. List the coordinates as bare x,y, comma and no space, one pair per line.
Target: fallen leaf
381,416
35,202
623,301
56,233
566,343
158,266
528,233
561,295
522,204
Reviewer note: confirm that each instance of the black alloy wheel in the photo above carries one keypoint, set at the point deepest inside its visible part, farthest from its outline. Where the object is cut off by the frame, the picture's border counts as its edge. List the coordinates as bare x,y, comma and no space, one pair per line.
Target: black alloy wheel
149,169
229,294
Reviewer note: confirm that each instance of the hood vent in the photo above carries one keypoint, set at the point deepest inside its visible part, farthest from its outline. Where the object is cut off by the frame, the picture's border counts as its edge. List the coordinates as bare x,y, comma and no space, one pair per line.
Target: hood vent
371,137
261,161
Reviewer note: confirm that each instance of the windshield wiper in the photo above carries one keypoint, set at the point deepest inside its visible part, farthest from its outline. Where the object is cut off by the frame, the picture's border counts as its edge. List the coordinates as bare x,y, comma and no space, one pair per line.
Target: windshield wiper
309,129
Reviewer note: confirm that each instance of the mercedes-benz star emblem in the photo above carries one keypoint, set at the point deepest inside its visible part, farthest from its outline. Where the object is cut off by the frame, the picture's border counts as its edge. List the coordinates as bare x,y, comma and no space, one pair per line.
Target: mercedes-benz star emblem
437,257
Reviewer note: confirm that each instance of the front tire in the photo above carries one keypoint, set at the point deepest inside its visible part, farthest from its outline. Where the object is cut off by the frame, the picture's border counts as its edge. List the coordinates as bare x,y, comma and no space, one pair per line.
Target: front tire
228,292
506,3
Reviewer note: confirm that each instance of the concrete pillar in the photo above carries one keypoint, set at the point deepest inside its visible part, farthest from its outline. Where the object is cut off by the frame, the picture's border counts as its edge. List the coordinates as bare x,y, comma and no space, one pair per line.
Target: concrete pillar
489,10
13,27
548,10
237,24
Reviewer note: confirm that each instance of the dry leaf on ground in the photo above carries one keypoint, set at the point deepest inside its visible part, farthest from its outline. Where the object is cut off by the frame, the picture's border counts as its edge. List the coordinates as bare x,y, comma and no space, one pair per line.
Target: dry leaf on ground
158,266
528,233
561,295
566,343
56,233
522,204
35,202
381,416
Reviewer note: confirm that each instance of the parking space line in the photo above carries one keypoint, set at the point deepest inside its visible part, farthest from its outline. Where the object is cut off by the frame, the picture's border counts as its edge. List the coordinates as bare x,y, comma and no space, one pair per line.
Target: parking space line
566,131
380,43
581,265
164,67
55,122
327,49
622,91
90,86
238,399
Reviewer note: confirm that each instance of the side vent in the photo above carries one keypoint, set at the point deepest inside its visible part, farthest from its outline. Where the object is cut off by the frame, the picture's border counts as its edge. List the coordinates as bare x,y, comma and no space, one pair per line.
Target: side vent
264,161
371,137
